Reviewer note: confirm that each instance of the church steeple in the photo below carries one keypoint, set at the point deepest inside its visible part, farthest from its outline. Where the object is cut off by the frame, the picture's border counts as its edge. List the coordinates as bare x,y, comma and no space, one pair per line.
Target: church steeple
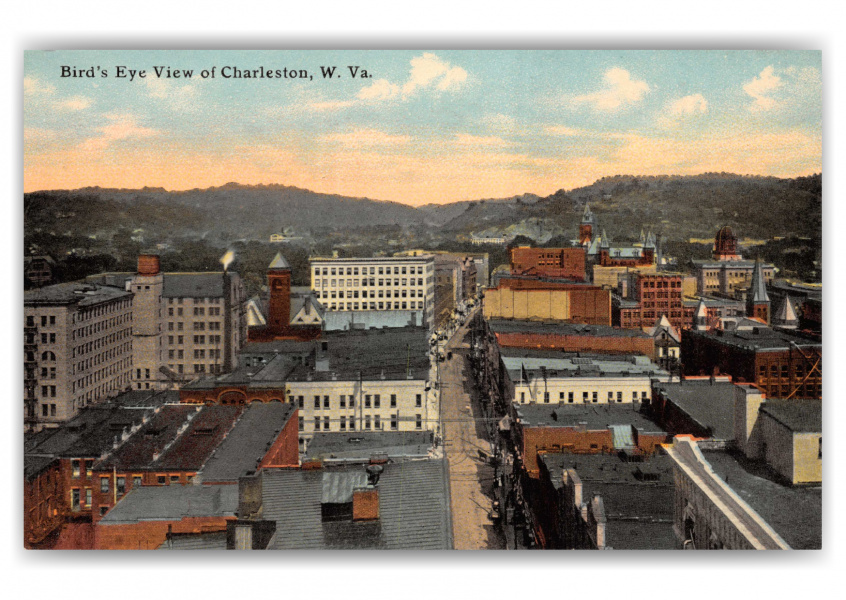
586,227
757,299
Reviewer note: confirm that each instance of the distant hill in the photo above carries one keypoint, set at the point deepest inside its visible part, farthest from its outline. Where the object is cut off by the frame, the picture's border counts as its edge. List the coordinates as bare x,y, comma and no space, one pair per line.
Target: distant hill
678,207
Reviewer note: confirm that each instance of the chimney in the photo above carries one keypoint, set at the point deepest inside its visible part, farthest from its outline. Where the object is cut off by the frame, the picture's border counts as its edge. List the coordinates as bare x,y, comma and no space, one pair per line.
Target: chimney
148,264
365,501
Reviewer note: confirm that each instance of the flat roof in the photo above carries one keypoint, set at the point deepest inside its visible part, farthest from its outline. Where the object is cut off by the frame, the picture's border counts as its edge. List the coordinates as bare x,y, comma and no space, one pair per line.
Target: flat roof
193,285
638,510
710,405
765,339
173,503
363,445
79,293
414,509
595,416
247,442
375,259
799,416
559,328
794,512
605,366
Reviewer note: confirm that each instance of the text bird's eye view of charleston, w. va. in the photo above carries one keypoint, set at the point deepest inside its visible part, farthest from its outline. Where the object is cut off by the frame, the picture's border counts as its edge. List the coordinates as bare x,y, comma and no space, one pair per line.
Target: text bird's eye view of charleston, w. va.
422,299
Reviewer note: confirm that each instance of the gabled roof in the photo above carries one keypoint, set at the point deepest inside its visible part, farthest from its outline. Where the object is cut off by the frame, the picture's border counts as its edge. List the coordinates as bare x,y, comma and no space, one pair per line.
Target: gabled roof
279,263
785,313
665,325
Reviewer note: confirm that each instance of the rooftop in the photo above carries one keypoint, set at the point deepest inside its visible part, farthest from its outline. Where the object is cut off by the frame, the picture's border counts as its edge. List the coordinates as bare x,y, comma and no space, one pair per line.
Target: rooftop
248,442
762,338
799,416
599,416
709,404
373,260
196,541
339,320
638,497
192,448
173,503
581,366
363,445
193,285
79,293
794,512
559,328
414,508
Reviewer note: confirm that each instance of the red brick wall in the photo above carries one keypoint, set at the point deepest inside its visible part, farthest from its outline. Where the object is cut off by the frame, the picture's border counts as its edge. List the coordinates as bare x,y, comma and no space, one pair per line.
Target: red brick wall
279,307
569,263
43,508
107,499
578,343
149,535
285,450
562,439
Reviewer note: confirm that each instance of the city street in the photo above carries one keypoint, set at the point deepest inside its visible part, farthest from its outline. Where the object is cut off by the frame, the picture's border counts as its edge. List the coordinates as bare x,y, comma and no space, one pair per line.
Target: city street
470,476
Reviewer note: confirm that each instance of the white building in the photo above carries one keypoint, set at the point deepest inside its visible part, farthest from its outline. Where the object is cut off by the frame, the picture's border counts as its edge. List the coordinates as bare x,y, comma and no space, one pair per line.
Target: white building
595,379
376,284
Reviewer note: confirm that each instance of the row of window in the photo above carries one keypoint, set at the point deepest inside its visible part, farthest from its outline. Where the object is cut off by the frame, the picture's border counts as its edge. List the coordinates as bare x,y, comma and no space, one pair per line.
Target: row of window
364,294
348,401
94,345
196,300
397,270
367,424
108,355
199,311
101,374
101,326
375,306
101,310
589,397
372,282
198,325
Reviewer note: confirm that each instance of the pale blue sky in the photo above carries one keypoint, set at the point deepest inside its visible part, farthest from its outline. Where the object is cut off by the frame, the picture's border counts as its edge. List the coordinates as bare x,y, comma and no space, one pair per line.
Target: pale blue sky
428,126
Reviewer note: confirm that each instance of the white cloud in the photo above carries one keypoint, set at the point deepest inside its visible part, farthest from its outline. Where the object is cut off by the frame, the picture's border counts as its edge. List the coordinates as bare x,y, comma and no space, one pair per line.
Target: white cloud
620,90
381,89
761,88
35,87
428,73
689,105
366,138
120,127
74,103
430,70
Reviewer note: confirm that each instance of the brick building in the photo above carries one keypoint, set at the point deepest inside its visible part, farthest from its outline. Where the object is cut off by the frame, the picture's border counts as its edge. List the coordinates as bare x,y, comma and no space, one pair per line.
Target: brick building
567,263
44,498
548,302
285,314
570,337
781,364
652,296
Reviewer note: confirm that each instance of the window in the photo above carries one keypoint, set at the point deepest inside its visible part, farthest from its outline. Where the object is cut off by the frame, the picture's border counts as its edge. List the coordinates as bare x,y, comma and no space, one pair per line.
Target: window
121,486
301,423
393,400
418,423
317,402
367,401
634,396
325,401
418,401
610,396
161,479
174,478
376,401
104,485
546,397
620,396
595,397
367,422
317,423
377,422
343,425
75,498
89,464
300,400
136,481
326,423
570,397
74,466
394,422
584,396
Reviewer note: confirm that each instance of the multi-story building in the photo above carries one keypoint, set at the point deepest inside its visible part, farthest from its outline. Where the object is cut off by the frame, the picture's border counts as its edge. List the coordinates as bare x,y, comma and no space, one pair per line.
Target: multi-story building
358,380
184,325
78,349
569,263
544,377
781,364
516,298
382,283
727,273
652,296
569,337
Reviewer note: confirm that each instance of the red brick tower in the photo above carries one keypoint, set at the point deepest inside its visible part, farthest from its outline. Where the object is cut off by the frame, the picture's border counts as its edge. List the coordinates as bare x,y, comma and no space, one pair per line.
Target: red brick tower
757,299
586,227
279,306
725,245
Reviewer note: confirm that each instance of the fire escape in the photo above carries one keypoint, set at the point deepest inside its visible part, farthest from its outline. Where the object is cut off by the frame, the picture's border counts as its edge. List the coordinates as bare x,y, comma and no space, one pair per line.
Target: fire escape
30,375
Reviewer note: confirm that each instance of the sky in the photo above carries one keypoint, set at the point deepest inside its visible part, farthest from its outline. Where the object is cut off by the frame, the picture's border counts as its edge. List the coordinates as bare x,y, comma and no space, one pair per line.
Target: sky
425,127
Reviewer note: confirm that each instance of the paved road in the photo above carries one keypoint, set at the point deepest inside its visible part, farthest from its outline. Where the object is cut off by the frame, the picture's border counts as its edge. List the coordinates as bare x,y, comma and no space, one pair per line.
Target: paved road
470,478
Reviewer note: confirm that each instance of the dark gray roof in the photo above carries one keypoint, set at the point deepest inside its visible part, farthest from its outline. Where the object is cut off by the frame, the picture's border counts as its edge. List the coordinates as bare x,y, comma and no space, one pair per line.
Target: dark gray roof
758,289
193,285
79,293
362,445
556,327
35,464
639,513
760,339
799,416
414,507
794,512
598,416
196,541
339,320
710,405
247,443
173,503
